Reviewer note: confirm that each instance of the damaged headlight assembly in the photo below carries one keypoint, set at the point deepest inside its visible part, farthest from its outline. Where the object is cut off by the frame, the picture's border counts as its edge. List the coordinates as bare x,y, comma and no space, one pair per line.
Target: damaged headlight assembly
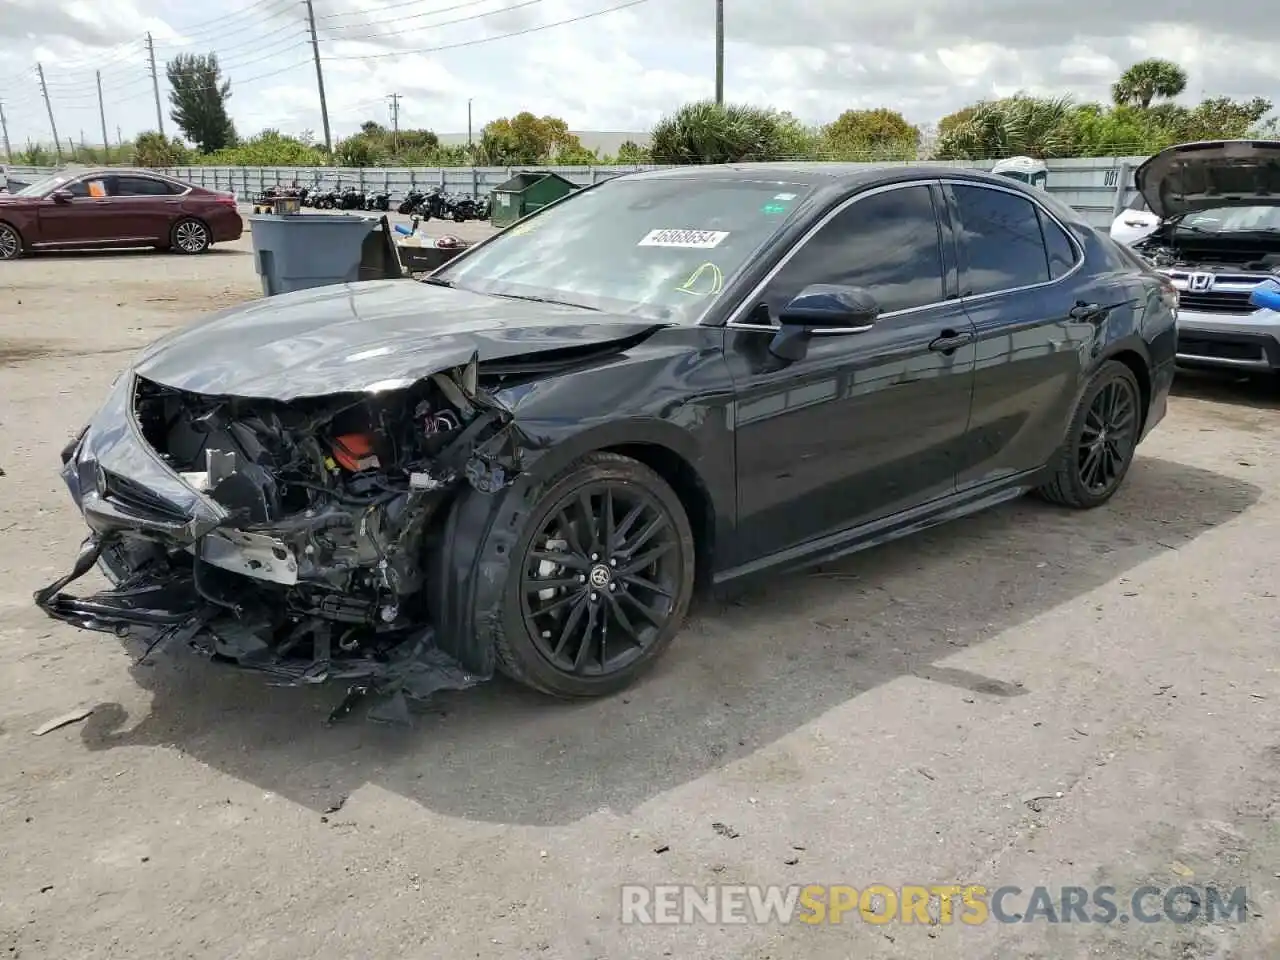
288,537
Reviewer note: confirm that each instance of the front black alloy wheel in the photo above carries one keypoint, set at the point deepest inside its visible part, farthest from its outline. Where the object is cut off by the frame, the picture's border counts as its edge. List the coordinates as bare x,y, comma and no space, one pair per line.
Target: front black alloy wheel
1101,440
603,580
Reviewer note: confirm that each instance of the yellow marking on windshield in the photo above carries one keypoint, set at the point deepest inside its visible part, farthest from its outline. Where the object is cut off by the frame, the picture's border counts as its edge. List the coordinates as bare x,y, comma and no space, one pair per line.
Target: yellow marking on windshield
690,286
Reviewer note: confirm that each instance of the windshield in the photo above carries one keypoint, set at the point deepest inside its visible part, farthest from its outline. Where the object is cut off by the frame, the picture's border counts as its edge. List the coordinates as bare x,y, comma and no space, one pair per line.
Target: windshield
661,248
1264,218
41,187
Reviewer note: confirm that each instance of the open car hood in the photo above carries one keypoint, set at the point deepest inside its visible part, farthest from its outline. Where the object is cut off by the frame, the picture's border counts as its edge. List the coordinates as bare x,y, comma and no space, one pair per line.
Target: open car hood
373,335
1191,177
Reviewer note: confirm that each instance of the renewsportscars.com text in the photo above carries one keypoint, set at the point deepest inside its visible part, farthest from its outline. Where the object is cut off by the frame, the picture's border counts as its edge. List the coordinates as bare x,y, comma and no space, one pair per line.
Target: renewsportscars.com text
933,904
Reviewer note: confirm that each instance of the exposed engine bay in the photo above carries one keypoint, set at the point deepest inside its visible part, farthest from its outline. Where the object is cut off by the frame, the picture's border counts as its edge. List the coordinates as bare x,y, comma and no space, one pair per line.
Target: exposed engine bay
317,567
1250,253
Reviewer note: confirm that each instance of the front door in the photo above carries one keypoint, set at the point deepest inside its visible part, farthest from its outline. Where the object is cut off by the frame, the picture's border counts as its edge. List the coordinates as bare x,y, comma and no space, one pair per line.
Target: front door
869,423
84,219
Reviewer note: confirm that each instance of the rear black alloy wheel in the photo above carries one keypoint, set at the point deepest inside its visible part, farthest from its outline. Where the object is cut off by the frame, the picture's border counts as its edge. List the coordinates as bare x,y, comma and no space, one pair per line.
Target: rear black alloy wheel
1101,440
604,579
1107,437
10,243
190,236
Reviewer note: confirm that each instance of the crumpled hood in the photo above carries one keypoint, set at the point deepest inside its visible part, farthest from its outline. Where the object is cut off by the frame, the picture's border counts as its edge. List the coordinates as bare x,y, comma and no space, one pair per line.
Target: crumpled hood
1191,177
373,335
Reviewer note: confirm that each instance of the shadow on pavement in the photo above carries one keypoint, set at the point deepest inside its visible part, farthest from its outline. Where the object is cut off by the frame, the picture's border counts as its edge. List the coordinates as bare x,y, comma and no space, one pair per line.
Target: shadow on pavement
1257,391
743,674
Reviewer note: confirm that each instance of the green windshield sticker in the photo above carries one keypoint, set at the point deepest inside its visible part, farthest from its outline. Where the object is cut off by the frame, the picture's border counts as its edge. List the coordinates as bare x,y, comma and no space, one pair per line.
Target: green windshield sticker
774,208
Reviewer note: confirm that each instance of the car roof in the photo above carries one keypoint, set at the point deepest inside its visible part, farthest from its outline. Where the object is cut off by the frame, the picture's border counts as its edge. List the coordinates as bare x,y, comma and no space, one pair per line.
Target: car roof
843,178
819,175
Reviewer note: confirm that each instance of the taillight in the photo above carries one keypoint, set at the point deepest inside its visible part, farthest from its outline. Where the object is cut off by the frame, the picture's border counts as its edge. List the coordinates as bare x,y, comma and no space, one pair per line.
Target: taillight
227,199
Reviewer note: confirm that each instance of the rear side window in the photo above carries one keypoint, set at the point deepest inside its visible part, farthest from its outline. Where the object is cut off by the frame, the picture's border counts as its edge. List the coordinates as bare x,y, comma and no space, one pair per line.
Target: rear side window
143,187
1003,245
1062,253
887,242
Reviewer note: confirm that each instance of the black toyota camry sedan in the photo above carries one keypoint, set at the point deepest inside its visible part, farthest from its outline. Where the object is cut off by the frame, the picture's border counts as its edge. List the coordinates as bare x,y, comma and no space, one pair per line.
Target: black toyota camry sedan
529,461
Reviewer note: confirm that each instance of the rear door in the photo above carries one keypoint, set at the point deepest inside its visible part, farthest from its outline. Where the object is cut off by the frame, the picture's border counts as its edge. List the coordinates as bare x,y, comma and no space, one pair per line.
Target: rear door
1021,280
145,207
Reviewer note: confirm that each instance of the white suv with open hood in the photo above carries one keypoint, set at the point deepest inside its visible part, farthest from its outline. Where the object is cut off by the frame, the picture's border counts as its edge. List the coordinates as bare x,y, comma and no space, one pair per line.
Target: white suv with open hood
1218,237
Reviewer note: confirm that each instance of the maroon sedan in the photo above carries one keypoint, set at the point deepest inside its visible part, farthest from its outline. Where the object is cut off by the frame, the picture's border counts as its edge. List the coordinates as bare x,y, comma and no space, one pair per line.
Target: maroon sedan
115,208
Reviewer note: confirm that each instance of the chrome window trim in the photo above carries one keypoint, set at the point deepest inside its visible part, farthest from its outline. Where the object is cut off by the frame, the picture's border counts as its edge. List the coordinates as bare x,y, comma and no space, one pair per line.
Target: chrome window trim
736,323
1071,238
102,175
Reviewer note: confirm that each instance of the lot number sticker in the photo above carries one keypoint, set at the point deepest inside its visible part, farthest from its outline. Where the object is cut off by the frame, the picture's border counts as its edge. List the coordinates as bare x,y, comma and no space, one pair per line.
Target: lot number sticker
689,239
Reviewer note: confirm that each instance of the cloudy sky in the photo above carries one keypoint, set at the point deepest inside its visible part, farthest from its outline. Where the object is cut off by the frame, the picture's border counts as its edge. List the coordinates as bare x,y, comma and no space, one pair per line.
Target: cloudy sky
616,71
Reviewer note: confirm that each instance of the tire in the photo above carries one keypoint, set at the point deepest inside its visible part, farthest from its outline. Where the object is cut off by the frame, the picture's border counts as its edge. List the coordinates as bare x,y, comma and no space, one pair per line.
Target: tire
1111,392
10,242
189,236
531,626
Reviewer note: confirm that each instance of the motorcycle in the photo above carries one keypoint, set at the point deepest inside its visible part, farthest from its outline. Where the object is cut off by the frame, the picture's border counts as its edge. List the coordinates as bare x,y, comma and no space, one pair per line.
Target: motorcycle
413,199
351,199
464,208
378,202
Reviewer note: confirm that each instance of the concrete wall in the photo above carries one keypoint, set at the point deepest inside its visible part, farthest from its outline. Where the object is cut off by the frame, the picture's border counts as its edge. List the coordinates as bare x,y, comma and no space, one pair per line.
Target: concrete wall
1096,186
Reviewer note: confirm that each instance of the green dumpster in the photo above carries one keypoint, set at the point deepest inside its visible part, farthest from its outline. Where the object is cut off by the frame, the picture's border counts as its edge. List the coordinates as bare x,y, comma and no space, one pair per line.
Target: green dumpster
525,193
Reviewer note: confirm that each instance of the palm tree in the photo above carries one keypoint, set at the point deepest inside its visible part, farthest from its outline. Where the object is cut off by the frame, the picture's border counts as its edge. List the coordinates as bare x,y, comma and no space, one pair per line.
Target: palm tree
1146,80
709,132
1020,125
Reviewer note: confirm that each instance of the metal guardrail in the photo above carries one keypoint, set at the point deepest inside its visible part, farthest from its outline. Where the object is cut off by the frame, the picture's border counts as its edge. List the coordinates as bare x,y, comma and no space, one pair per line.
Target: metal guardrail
1098,187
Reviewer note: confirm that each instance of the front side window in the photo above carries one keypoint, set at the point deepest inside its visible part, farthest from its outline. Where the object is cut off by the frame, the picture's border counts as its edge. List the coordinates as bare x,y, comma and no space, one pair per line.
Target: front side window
888,243
661,248
1002,245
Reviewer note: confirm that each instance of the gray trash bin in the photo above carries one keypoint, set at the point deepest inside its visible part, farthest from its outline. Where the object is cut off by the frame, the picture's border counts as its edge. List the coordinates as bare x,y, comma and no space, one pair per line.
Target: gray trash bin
301,251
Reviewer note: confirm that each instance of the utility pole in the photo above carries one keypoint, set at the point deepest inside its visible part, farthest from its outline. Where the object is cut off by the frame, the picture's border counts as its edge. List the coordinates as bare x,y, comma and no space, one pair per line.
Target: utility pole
4,129
324,104
720,51
395,121
102,115
44,90
155,84
468,123
119,137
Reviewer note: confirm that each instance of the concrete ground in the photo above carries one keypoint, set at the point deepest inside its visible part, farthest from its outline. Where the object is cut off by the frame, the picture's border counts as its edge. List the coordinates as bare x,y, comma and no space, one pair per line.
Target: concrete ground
1027,697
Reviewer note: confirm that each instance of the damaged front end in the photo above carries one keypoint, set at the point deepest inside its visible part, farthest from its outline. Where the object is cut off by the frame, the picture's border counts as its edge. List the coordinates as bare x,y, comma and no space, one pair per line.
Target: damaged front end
292,538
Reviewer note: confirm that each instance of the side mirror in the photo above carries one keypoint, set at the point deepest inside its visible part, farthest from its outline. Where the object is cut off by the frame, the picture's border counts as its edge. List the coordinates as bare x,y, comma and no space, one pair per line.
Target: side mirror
61,196
822,310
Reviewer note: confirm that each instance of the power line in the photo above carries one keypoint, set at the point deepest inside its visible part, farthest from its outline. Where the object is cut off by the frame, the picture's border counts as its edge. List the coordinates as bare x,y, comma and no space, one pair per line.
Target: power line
435,13
405,3
501,36
442,23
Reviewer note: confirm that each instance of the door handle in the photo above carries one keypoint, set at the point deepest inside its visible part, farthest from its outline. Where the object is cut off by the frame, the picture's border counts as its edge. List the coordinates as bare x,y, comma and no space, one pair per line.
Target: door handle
1085,311
949,341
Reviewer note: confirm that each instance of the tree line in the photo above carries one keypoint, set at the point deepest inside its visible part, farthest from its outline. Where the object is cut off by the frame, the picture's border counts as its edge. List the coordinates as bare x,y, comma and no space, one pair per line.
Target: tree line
1142,118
